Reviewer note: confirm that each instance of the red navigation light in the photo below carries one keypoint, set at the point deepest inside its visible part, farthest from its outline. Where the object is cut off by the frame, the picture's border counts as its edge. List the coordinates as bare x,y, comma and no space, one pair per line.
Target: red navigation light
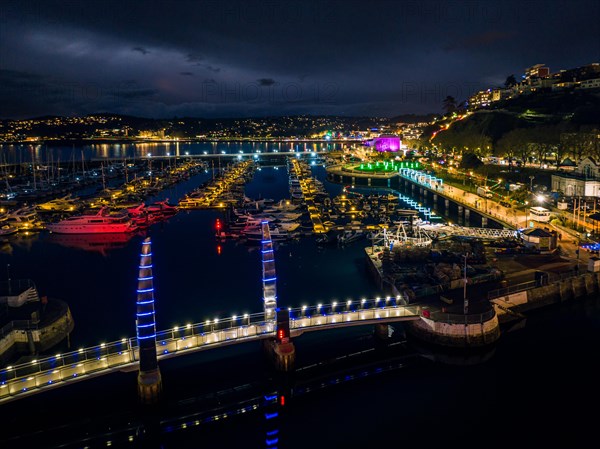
219,250
218,225
280,334
282,400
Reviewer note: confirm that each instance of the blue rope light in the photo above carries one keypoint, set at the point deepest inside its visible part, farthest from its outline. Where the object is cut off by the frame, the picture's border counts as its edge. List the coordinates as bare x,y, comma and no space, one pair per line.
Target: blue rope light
145,314
145,338
146,243
145,325
146,290
146,255
270,279
146,279
145,266
145,302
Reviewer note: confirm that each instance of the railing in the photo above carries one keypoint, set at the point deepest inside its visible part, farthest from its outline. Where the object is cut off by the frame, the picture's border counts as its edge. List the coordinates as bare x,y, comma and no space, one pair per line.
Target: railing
108,357
451,318
551,278
17,325
350,313
493,294
121,355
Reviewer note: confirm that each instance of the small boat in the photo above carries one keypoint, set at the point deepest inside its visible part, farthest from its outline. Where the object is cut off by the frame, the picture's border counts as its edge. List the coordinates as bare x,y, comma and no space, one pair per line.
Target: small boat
64,204
24,219
162,208
254,233
8,230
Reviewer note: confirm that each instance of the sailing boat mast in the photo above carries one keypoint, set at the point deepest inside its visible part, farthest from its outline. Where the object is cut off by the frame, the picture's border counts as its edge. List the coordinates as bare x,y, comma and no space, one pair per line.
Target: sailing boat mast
465,299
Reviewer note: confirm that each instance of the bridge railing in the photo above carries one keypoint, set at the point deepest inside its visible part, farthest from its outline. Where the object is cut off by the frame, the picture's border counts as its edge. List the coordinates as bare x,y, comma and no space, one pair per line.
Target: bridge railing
358,310
106,357
47,370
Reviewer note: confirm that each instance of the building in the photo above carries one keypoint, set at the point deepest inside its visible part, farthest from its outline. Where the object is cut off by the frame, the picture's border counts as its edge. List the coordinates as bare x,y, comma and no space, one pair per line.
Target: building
593,83
385,143
413,131
584,181
541,239
537,71
577,74
501,94
481,99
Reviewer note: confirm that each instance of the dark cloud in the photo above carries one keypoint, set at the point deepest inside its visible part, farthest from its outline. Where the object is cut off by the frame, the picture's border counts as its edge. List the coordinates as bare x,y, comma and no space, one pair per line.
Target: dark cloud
212,69
141,50
483,40
186,73
266,81
135,93
194,58
361,55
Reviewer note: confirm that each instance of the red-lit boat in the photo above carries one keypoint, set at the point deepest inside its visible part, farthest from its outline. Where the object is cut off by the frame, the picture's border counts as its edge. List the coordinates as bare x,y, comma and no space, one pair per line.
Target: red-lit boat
100,223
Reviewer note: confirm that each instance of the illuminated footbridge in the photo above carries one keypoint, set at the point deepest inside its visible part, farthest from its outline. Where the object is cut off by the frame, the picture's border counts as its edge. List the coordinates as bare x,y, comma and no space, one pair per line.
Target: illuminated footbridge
45,373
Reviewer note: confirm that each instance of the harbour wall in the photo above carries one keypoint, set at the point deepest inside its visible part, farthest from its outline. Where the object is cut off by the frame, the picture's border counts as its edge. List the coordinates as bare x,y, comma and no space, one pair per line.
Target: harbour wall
574,288
25,337
454,334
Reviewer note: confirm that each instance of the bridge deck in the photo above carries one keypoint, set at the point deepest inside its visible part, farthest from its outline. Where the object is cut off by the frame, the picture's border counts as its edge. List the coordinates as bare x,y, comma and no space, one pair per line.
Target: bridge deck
63,369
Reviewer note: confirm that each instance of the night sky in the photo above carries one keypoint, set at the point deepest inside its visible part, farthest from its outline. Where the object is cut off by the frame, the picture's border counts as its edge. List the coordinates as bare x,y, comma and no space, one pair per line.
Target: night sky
255,58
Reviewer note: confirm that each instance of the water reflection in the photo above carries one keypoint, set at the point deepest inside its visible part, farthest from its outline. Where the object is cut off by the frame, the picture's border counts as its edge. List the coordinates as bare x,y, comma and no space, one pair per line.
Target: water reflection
76,154
101,243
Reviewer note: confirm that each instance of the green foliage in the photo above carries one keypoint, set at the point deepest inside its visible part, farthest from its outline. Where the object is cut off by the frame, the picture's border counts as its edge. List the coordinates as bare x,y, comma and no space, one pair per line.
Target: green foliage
470,161
510,81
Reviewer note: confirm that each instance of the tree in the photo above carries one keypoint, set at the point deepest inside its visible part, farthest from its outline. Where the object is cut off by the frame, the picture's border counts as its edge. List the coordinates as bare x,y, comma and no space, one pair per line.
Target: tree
578,144
514,143
470,161
545,139
449,104
510,81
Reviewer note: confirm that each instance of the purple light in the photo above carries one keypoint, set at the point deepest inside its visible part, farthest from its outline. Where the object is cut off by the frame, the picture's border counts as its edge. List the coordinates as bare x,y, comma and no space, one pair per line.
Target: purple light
387,143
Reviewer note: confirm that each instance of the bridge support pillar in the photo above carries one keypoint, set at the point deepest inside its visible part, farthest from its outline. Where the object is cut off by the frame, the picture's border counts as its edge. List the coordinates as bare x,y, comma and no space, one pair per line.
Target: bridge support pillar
281,350
447,204
149,378
283,355
484,221
382,331
149,386
369,181
354,180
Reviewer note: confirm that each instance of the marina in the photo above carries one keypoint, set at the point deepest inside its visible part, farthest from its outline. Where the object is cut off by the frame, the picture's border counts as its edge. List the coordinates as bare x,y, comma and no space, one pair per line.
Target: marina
336,269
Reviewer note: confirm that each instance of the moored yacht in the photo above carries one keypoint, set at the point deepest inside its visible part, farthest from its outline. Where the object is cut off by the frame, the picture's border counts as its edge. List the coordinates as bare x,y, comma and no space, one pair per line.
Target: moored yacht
102,222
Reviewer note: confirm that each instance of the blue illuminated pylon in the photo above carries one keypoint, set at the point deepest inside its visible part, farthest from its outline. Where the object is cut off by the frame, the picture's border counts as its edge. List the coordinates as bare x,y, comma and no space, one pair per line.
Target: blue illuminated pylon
149,378
269,277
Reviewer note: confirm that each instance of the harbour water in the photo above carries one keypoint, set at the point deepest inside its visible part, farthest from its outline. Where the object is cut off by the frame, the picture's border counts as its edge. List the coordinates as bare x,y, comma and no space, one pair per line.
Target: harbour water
538,378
